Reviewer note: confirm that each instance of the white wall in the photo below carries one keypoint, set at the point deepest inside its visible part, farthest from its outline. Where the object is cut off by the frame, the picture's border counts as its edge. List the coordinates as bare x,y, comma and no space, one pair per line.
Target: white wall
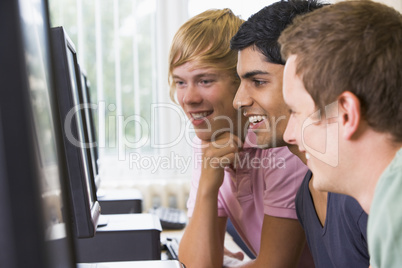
397,4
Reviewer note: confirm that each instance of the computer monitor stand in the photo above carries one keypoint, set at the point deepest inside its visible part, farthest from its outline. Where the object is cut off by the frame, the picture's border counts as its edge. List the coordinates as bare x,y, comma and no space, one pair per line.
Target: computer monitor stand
120,201
125,237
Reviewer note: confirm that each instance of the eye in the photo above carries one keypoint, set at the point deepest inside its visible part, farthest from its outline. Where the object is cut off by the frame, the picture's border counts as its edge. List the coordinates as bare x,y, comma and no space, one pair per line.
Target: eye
206,82
180,83
258,83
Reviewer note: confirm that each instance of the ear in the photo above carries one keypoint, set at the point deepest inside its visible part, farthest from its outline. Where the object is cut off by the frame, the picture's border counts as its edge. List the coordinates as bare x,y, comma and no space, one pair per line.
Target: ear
349,114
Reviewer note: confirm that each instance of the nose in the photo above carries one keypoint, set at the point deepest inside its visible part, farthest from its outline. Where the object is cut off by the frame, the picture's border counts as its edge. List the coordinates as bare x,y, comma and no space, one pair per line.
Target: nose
242,98
192,95
289,134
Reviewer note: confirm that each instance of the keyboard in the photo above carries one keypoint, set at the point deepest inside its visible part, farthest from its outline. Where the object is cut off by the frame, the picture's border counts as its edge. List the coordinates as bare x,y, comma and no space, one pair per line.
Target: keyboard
170,218
172,247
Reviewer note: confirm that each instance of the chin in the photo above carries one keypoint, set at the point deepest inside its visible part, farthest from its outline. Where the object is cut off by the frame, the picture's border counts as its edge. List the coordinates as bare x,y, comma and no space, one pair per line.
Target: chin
258,142
267,142
203,136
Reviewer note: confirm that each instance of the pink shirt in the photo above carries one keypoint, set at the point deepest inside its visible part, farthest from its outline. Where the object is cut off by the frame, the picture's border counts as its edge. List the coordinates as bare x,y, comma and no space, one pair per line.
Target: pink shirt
265,183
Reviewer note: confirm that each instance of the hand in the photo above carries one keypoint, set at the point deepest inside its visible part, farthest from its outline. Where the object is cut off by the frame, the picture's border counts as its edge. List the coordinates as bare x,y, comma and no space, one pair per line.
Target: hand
236,255
231,259
216,155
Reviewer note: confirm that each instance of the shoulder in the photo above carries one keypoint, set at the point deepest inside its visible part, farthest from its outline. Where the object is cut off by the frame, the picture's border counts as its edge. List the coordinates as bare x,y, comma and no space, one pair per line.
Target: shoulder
386,202
352,219
346,205
387,197
390,182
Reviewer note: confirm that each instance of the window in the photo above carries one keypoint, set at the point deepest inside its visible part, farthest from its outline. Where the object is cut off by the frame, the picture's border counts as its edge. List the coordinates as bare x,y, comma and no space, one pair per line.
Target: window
123,46
242,8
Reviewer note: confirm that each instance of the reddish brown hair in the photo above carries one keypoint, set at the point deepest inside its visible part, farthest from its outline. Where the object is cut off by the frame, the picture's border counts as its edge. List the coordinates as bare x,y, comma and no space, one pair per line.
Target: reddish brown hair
352,46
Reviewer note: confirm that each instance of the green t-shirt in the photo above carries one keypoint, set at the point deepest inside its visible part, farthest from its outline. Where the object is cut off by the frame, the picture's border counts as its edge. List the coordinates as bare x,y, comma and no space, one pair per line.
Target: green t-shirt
384,230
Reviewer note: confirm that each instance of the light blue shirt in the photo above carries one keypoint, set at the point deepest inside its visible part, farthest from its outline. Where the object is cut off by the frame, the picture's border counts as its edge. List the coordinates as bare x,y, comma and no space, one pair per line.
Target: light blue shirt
385,220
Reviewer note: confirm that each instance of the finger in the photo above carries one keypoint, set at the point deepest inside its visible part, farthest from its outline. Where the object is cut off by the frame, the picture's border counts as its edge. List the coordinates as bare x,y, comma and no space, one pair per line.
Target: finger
227,139
222,152
220,162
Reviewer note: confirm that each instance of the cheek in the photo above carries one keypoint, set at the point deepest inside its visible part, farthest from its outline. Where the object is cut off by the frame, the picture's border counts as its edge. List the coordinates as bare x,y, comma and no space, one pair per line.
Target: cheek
322,143
223,101
181,103
282,114
179,96
272,102
313,138
332,148
231,90
295,127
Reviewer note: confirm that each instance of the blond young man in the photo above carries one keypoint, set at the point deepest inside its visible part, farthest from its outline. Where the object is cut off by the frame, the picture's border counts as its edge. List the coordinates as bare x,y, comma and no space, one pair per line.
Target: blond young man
255,188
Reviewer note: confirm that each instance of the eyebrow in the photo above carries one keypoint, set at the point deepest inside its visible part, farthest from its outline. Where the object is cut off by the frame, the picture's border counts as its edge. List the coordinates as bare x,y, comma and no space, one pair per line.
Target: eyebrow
197,76
253,73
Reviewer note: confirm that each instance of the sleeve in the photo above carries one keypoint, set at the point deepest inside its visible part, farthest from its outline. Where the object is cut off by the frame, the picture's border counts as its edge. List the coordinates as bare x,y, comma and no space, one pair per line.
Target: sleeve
385,221
282,178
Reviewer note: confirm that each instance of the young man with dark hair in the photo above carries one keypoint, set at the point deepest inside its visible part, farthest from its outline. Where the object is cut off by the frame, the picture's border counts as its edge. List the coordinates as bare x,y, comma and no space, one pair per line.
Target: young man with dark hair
335,225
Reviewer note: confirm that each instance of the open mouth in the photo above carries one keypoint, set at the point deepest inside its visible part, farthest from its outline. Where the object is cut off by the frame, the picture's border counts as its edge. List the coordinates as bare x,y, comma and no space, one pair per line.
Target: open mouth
256,120
201,115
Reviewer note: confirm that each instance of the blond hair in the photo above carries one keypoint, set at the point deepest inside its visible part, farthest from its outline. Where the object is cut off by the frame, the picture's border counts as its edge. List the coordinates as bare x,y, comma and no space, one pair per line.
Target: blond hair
205,38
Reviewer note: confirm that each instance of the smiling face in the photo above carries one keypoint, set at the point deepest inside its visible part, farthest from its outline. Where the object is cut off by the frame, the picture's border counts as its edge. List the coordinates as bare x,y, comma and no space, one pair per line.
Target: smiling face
314,132
259,97
206,96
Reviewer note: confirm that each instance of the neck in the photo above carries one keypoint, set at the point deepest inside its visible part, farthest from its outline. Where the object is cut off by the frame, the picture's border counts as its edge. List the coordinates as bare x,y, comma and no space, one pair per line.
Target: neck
367,166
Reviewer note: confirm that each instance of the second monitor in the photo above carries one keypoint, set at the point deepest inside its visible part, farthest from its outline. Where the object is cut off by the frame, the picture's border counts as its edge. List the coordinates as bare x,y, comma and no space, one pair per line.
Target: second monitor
124,237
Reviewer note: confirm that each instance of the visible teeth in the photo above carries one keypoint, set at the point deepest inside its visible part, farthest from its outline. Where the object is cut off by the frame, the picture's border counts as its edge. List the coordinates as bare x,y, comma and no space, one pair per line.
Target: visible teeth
199,115
256,118
307,156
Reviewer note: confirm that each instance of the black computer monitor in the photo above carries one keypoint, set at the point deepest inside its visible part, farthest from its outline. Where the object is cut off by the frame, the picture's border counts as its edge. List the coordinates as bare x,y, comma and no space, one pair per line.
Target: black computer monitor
89,126
85,207
34,230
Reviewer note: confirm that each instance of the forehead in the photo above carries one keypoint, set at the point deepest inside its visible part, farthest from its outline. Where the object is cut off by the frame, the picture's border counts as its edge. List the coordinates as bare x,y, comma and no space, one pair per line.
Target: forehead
252,62
292,83
294,92
250,55
193,68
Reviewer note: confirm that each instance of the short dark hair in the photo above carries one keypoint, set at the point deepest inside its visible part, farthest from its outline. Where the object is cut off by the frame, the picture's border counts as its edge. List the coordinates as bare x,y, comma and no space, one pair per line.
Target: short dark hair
264,27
